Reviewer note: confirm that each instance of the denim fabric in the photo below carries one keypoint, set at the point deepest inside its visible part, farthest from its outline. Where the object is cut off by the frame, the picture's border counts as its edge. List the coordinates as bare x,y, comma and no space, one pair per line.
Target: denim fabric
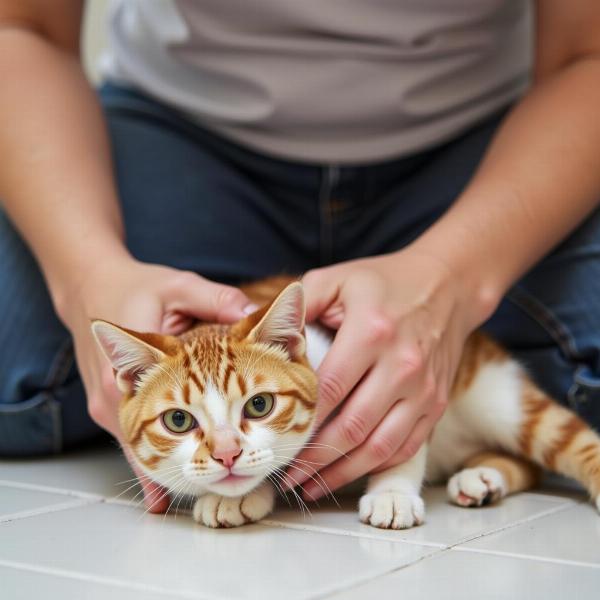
194,200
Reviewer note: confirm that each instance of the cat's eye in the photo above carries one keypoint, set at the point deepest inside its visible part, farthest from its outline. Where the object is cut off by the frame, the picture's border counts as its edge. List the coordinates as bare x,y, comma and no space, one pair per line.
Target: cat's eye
178,421
259,406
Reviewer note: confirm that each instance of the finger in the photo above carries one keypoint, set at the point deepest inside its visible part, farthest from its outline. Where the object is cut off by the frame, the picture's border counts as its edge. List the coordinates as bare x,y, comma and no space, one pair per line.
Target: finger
176,323
360,415
156,497
208,300
320,291
381,445
417,437
343,366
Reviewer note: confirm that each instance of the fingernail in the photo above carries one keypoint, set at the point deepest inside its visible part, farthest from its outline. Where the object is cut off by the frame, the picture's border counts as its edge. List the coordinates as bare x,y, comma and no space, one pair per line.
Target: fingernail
250,308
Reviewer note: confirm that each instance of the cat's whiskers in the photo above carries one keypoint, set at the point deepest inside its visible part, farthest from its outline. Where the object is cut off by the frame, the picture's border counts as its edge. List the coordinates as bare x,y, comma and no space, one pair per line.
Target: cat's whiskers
137,478
180,492
311,446
279,489
164,495
144,479
320,482
278,473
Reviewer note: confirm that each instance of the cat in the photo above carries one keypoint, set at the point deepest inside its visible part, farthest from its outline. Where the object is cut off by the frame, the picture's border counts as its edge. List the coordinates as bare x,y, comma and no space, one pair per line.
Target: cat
219,411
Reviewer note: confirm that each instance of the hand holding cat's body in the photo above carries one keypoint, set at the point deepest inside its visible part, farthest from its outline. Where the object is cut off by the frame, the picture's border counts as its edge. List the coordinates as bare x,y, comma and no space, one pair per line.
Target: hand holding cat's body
219,411
395,354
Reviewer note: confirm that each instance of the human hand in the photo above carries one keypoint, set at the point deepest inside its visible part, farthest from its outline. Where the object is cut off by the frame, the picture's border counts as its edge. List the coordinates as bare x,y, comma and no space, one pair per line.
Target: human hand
402,320
144,297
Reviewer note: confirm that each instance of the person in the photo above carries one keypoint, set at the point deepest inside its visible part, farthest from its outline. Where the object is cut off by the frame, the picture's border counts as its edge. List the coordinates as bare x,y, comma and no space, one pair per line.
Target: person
430,170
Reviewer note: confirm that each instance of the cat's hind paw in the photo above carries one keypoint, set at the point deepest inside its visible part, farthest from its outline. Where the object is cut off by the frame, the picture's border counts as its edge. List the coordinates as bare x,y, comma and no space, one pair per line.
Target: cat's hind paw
213,510
476,487
391,510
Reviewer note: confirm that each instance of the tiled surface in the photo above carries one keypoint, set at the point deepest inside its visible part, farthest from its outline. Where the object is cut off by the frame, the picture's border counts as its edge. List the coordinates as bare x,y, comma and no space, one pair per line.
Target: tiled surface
96,470
572,534
16,502
62,532
20,584
462,576
446,525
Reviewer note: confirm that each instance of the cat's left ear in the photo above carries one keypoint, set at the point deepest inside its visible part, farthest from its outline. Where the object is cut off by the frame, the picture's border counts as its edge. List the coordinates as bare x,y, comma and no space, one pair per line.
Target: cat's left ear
281,323
130,353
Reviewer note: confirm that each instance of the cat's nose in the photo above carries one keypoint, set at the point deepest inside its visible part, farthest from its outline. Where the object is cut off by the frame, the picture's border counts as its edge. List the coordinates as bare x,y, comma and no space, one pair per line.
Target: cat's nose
226,455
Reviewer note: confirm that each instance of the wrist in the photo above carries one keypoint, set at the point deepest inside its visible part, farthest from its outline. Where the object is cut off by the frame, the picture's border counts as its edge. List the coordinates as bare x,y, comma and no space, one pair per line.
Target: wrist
86,275
476,292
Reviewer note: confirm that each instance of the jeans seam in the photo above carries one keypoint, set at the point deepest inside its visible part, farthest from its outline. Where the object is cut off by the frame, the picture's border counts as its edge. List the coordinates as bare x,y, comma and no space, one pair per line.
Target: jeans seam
557,330
544,317
59,369
57,374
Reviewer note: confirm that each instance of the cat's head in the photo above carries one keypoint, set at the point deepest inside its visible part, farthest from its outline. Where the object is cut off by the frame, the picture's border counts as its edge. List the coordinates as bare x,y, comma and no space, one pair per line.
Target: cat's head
220,408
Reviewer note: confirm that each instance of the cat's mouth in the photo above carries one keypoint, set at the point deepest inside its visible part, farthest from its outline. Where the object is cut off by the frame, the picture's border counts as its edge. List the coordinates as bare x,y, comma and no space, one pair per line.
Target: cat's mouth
233,478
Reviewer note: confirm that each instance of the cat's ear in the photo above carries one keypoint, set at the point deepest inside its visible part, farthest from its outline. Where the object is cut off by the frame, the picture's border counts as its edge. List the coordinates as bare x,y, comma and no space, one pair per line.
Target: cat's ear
130,353
280,323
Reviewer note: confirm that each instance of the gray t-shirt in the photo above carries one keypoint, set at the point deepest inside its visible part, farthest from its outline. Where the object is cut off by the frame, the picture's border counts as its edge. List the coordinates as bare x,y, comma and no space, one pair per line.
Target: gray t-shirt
333,81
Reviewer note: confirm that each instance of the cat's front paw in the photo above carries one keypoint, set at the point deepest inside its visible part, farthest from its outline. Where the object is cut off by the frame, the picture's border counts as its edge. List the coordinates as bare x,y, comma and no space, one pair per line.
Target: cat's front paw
213,510
476,487
391,510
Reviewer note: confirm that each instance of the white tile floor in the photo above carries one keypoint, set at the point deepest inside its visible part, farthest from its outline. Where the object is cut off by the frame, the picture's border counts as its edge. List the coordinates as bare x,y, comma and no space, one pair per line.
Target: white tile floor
63,535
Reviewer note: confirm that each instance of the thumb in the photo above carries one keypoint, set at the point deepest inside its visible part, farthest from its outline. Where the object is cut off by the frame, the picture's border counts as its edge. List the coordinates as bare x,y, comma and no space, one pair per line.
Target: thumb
210,301
320,292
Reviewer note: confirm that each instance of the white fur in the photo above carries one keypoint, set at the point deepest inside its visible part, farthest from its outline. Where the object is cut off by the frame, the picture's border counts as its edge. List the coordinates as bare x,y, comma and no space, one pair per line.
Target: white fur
471,487
318,342
215,404
213,510
393,497
487,414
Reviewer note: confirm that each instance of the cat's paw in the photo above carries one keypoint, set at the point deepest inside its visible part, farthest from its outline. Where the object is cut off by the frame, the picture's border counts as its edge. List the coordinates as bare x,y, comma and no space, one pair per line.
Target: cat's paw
213,510
476,487
391,510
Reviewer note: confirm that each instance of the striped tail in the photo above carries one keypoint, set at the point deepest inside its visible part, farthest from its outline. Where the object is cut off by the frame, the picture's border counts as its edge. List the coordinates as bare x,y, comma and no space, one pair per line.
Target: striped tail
554,437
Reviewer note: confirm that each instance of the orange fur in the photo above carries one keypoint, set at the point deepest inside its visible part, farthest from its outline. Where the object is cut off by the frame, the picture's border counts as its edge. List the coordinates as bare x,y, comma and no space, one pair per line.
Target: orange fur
229,360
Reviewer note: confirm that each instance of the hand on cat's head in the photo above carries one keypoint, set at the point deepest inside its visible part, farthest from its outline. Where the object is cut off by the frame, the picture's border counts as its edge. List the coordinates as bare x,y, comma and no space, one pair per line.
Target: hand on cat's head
141,296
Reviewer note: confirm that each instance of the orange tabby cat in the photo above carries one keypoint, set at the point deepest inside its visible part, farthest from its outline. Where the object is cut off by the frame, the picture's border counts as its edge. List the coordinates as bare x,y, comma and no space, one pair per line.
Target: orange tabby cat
220,410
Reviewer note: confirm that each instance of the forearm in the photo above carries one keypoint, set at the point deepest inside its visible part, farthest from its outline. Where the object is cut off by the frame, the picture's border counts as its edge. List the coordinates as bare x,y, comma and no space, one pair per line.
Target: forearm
537,182
56,179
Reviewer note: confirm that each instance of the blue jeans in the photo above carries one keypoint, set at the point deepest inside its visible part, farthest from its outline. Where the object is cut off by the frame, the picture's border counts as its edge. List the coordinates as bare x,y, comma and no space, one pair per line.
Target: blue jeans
193,200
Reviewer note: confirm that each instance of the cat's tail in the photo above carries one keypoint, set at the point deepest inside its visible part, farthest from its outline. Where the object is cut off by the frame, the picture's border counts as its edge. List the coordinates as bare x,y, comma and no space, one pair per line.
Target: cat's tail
557,439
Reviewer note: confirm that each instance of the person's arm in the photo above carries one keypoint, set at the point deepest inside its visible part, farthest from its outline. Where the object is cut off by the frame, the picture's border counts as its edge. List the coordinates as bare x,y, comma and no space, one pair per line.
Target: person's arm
57,186
403,317
56,179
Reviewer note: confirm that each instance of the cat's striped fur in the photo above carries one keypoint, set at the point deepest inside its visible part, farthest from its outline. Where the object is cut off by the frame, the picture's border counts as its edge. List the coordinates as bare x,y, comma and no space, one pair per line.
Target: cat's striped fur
497,432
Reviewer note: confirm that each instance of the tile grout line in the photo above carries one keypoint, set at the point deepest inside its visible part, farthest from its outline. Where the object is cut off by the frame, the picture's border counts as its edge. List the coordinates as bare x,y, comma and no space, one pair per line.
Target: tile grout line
549,497
346,533
559,505
534,557
49,489
47,509
447,548
346,586
529,519
333,590
89,578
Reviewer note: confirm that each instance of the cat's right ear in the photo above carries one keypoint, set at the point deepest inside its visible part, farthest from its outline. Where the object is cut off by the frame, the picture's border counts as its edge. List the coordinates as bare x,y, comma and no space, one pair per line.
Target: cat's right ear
130,353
